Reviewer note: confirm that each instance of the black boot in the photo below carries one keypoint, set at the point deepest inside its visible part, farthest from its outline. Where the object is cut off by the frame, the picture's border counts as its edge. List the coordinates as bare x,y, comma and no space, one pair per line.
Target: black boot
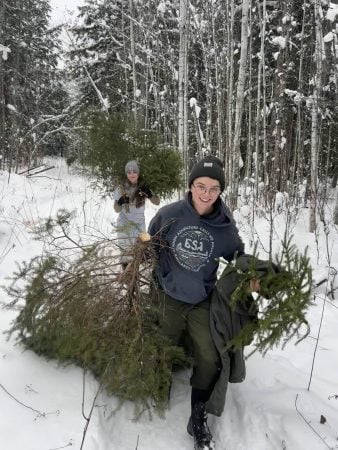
198,428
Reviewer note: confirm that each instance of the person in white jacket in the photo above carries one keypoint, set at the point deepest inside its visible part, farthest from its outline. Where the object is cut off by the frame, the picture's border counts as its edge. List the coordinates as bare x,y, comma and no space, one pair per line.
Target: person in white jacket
129,203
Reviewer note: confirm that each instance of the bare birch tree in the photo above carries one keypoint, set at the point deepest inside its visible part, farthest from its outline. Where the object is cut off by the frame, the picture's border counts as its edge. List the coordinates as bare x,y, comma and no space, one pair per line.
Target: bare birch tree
133,56
230,15
335,216
182,83
317,88
2,86
218,61
235,148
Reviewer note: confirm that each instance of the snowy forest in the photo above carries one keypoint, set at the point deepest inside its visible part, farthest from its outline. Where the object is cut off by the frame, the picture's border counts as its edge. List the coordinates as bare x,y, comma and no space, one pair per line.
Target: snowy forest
253,82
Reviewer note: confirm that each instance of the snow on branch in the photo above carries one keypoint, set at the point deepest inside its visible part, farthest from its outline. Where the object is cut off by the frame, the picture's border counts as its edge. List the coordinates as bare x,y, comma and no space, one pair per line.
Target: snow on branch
4,50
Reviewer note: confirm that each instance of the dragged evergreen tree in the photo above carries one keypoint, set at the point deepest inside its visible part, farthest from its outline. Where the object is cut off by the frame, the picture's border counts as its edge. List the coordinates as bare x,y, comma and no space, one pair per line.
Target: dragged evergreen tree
111,141
78,310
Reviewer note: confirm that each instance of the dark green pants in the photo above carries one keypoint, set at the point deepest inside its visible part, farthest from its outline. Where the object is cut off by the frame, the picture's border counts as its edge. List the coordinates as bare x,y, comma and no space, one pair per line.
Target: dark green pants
177,317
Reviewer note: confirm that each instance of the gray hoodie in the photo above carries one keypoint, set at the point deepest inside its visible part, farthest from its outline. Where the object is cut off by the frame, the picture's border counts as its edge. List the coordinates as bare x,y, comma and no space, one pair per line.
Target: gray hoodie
189,246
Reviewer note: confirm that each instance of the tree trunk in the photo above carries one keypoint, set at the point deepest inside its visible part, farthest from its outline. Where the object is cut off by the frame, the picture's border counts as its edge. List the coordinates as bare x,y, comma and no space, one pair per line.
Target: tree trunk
182,81
335,215
260,174
219,91
315,117
132,55
248,161
2,90
230,12
298,170
236,156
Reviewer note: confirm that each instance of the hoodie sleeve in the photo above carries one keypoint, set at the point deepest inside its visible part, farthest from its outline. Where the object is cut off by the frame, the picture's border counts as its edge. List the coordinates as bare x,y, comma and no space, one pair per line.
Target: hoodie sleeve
155,224
238,248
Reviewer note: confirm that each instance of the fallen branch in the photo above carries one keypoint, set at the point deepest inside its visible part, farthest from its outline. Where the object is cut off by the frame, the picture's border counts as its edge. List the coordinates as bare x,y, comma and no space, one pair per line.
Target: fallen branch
44,176
40,171
31,169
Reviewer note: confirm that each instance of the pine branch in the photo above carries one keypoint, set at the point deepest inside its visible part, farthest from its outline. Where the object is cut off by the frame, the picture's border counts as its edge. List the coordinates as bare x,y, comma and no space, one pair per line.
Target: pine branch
282,301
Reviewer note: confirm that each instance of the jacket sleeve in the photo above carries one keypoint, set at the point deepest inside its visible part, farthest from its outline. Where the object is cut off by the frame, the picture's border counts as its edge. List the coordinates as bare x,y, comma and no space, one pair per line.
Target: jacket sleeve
155,224
240,250
158,230
117,207
238,245
155,200
117,195
235,237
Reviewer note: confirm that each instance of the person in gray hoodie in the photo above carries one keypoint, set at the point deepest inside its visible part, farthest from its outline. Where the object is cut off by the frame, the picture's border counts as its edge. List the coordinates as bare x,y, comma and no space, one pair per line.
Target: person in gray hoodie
190,236
129,203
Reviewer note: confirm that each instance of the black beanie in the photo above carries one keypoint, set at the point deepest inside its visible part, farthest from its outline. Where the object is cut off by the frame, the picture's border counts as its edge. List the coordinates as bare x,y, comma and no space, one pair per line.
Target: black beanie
211,167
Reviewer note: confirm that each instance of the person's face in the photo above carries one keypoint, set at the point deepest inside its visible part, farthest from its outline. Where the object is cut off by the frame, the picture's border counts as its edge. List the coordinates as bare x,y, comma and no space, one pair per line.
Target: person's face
205,191
132,176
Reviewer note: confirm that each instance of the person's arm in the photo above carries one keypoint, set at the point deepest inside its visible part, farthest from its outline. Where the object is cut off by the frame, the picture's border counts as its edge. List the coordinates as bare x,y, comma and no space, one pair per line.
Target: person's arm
146,192
155,224
120,199
240,250
123,200
117,207
155,200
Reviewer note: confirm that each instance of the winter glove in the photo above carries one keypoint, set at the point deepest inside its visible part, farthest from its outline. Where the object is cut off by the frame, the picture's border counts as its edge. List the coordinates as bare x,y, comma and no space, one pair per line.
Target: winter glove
124,199
144,190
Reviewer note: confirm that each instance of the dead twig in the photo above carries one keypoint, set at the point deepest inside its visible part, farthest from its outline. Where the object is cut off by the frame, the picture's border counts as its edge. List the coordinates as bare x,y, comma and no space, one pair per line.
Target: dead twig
39,413
87,418
309,424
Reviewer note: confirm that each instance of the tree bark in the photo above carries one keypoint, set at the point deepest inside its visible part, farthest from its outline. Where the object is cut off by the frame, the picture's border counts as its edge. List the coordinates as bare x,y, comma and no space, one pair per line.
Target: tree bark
236,156
315,117
2,91
132,55
230,12
182,81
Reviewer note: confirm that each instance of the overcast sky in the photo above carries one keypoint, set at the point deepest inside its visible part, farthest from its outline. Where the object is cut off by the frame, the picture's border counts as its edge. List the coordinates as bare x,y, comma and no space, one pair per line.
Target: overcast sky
62,10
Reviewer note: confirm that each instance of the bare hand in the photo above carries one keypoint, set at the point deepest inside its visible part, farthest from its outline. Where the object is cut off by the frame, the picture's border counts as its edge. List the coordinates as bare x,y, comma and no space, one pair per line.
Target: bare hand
254,285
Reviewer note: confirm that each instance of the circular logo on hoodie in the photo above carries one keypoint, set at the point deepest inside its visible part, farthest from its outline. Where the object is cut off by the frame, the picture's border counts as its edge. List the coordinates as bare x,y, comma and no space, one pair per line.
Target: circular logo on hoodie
193,247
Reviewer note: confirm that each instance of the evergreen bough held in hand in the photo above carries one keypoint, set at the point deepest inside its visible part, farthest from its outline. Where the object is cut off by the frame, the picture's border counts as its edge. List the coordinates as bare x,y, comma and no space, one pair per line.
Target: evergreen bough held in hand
282,301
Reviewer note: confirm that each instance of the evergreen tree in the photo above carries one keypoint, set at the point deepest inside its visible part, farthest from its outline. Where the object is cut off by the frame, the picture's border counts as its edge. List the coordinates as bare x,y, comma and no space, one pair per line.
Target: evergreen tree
111,142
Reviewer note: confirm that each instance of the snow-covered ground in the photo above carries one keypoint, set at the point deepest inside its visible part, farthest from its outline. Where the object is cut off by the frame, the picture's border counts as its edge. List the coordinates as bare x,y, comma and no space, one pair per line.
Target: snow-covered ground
41,403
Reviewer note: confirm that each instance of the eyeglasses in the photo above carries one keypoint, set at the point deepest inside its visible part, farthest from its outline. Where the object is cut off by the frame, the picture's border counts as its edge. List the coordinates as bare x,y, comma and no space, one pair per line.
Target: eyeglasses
201,189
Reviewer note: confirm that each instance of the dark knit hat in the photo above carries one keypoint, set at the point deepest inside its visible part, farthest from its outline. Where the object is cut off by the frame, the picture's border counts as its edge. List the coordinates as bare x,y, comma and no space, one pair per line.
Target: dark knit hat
211,167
